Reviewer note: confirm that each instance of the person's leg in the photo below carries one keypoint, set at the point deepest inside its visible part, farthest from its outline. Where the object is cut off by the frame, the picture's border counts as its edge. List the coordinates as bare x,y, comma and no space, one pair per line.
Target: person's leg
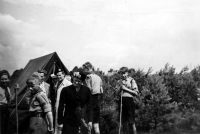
96,113
3,119
37,126
132,128
96,128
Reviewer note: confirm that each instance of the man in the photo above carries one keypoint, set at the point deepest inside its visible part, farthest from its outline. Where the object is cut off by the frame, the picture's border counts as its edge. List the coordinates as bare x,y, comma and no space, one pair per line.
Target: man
129,90
44,86
75,101
62,82
40,109
4,100
94,82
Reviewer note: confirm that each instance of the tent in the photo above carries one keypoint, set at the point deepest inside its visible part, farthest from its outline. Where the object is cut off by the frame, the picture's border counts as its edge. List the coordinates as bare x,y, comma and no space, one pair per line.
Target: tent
50,63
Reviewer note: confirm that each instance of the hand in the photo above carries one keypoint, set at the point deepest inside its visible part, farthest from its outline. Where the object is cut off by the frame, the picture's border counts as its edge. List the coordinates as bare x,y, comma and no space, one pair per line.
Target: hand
50,131
90,125
60,127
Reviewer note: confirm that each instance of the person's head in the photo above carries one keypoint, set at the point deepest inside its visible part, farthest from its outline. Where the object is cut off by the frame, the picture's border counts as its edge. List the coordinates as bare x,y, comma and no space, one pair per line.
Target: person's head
4,78
87,67
123,71
54,78
68,77
60,75
33,83
42,73
77,82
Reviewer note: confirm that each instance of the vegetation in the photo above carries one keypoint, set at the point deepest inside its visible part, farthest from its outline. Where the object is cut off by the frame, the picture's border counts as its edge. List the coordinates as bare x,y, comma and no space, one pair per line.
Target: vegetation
169,101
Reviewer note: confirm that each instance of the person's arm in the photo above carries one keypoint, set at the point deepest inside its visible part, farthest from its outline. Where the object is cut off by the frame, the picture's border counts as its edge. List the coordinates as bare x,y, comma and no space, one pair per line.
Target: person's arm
44,102
101,86
123,87
61,106
50,121
88,81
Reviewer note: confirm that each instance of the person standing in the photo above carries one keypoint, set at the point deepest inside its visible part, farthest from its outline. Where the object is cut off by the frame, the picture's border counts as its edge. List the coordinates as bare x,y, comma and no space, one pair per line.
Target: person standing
94,82
44,86
75,101
4,100
62,82
39,109
129,90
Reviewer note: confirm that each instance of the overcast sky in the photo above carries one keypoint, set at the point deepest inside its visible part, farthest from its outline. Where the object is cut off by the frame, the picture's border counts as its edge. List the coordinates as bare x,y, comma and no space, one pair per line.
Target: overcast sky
108,33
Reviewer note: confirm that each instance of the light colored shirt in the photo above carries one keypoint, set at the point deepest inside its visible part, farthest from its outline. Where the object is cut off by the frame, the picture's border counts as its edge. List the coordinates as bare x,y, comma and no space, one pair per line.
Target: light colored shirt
43,87
64,83
40,103
130,84
3,99
94,82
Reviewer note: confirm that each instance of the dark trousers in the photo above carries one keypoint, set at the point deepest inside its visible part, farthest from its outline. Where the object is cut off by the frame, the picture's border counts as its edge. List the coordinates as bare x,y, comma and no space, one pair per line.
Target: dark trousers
37,126
96,107
70,129
3,119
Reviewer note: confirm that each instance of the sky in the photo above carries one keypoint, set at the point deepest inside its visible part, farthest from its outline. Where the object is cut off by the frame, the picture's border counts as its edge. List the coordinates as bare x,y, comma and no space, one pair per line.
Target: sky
107,33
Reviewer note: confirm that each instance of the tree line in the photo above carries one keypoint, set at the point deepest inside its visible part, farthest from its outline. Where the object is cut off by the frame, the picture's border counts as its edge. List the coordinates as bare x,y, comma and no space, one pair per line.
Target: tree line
168,101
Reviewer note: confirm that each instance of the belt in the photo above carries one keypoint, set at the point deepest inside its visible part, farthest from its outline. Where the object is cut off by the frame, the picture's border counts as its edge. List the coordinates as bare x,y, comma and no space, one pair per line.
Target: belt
97,94
36,115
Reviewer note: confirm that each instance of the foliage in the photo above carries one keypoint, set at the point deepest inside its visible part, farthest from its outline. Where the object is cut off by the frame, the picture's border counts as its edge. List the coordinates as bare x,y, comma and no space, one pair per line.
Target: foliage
169,101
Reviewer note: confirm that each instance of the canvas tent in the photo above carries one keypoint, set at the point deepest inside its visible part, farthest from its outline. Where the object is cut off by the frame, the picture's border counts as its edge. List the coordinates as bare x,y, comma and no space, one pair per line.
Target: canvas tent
49,63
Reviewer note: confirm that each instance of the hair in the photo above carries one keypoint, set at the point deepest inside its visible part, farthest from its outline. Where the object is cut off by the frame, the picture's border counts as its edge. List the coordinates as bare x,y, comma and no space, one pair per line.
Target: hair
36,75
42,71
123,70
4,72
33,79
88,65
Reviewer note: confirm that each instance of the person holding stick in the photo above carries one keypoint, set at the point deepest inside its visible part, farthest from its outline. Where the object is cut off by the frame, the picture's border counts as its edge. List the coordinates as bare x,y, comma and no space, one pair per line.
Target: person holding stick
129,90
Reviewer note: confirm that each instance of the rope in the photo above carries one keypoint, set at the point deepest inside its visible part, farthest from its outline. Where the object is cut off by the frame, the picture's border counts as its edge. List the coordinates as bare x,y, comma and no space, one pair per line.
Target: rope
19,102
68,59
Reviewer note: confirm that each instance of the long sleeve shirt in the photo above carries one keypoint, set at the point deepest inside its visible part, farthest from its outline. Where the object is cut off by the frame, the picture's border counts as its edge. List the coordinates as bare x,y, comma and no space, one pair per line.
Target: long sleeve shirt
70,99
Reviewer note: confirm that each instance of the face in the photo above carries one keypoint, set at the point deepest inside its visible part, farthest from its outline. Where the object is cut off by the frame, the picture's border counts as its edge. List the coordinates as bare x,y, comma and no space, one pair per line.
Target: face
86,69
77,82
31,84
42,76
54,80
124,74
4,80
60,76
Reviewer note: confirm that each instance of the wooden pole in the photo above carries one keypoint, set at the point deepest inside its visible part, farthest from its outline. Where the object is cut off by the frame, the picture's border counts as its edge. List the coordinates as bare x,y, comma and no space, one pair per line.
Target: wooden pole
120,116
16,87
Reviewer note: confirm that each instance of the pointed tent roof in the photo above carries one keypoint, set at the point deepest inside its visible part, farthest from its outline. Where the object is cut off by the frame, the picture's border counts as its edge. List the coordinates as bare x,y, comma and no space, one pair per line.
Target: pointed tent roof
45,62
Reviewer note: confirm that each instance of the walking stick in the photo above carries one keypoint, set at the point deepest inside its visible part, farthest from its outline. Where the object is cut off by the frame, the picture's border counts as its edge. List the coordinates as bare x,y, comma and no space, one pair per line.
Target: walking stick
120,115
16,87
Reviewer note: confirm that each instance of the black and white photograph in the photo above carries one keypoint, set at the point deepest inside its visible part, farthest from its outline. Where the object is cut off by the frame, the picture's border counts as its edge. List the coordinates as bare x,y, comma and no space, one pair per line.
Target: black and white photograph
99,67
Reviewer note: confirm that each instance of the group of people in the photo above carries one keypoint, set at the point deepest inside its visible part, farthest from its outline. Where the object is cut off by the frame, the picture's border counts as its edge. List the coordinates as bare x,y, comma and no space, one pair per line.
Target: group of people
75,108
